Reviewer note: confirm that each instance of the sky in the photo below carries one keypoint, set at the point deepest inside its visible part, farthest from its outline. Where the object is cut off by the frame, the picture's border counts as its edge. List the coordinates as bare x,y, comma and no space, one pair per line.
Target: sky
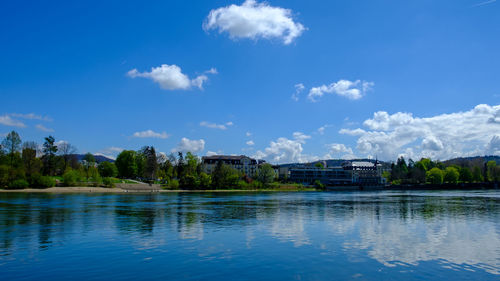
284,81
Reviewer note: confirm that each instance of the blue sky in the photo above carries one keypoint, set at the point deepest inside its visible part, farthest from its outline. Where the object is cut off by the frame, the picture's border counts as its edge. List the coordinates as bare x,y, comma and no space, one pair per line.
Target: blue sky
285,81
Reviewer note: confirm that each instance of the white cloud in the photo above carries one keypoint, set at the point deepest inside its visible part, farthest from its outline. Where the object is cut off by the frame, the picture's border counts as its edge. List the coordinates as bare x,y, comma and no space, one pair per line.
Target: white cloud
298,89
248,134
444,136
250,143
7,121
254,20
193,146
31,116
493,147
301,137
216,126
285,150
321,130
170,77
211,153
350,89
43,128
150,134
339,150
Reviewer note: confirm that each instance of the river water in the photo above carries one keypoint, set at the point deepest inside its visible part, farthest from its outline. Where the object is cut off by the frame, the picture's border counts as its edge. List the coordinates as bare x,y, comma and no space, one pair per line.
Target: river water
432,235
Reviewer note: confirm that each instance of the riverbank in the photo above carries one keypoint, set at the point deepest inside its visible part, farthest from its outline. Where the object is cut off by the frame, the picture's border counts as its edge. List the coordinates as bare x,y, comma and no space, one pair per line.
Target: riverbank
84,189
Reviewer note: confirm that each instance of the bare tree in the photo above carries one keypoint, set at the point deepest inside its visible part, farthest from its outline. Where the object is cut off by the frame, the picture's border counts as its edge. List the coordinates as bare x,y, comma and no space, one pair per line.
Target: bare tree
67,151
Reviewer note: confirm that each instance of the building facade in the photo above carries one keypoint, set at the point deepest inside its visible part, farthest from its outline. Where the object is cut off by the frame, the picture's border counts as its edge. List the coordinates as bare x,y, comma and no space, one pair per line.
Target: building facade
350,173
242,163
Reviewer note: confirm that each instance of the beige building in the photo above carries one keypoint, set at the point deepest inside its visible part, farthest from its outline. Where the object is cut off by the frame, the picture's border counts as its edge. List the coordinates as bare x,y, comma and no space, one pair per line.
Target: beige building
242,163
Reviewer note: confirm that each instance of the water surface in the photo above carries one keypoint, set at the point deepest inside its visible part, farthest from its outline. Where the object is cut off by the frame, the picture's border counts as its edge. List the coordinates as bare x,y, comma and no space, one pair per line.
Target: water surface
251,236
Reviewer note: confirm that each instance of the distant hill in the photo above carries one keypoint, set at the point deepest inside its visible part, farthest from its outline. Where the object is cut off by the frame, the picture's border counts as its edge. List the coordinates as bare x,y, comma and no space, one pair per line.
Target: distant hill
473,160
98,158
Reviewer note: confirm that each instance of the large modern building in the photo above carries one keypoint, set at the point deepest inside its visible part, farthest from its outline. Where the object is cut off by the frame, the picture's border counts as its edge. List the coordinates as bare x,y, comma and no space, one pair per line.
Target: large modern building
241,163
349,173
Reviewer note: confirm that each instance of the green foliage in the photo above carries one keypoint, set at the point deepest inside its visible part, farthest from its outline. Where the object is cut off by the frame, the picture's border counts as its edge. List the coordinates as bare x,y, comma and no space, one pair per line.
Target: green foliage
108,182
12,143
318,184
71,177
32,165
49,157
319,165
107,169
465,174
18,184
435,176
387,175
477,175
149,162
399,170
266,174
205,180
224,176
451,175
126,164
174,184
39,181
491,170
4,176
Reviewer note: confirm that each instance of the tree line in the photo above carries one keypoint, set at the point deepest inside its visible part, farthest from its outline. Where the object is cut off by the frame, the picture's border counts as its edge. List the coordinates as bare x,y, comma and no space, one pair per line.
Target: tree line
435,172
26,164
185,171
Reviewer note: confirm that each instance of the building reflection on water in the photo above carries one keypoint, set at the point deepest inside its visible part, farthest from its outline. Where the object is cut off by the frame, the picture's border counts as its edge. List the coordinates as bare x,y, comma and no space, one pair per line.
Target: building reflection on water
393,229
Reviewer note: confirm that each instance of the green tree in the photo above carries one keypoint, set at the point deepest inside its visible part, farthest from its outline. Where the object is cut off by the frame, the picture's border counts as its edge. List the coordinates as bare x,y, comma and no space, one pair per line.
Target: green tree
32,165
435,176
399,170
12,142
451,175
205,180
107,169
126,165
319,165
150,162
465,174
224,176
49,154
266,174
477,175
491,170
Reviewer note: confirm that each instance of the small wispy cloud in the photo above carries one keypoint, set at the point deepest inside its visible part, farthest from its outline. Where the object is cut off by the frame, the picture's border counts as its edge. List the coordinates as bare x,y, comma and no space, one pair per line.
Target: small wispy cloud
150,134
8,121
43,128
215,125
298,89
483,3
31,116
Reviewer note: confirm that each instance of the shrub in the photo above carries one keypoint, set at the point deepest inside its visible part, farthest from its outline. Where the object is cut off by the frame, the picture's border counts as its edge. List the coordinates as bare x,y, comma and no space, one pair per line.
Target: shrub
107,169
18,184
70,178
108,182
319,184
39,181
96,180
173,184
